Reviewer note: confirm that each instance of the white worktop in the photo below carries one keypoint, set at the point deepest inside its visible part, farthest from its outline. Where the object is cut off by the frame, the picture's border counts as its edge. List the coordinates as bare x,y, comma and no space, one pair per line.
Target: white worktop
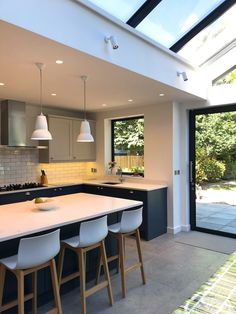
20,219
127,185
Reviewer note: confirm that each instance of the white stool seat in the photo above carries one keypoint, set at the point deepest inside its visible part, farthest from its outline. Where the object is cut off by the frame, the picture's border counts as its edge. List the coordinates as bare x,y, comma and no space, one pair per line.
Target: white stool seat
10,261
34,253
73,241
115,228
130,221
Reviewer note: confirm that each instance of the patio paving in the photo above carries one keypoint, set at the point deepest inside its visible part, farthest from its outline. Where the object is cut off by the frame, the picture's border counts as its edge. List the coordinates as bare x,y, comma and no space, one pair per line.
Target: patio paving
216,210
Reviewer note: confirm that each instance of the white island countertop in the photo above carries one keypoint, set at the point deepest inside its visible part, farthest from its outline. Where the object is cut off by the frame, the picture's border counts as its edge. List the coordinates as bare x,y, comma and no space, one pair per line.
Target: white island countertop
21,219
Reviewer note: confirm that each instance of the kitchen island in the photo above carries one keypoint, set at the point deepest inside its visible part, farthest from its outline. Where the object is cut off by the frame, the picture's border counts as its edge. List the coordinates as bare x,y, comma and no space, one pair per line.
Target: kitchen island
23,219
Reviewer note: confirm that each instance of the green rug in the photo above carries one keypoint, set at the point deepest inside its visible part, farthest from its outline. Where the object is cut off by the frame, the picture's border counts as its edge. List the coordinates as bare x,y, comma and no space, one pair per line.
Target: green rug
217,295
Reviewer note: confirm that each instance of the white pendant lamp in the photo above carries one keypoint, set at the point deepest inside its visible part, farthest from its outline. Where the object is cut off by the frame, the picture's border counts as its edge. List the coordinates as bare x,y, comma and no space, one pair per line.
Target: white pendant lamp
85,132
41,126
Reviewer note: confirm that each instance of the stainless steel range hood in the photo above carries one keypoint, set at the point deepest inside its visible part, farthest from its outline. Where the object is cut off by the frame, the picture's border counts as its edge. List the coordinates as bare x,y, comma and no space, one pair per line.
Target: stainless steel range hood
13,125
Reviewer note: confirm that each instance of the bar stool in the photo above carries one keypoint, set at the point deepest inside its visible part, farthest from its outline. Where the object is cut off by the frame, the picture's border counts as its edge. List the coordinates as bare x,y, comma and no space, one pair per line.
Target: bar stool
92,234
129,225
34,253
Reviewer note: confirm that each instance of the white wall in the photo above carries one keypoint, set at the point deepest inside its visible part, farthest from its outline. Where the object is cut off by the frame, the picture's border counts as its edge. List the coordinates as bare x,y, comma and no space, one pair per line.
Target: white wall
75,25
158,147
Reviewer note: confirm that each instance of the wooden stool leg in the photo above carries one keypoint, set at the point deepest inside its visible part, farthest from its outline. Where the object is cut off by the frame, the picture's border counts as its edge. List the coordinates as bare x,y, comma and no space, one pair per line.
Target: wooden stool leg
106,272
55,286
60,264
34,286
82,280
137,234
98,269
2,281
122,264
20,294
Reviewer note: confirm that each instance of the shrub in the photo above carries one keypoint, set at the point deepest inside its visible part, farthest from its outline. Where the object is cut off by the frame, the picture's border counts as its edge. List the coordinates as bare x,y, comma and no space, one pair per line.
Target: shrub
207,168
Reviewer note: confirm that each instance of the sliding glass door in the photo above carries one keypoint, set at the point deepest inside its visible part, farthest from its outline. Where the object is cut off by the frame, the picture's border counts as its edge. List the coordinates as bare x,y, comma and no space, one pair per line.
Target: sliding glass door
213,170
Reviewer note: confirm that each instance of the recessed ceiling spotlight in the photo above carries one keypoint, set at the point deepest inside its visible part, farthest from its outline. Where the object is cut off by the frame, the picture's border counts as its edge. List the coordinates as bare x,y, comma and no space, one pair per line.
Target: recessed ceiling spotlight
53,94
2,84
161,94
104,105
59,61
130,100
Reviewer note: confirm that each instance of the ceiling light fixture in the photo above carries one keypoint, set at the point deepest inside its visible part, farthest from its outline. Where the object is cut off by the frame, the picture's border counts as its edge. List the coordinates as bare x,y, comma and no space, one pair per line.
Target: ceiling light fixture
183,74
112,40
161,94
85,132
130,100
53,94
104,105
41,126
2,84
59,62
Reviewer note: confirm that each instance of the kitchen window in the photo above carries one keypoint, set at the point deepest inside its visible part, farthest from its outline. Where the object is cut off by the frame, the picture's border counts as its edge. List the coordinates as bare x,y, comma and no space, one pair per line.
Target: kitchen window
128,145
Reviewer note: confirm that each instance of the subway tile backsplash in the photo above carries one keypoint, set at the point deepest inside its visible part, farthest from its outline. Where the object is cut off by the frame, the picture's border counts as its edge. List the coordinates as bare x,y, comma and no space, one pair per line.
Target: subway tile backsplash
21,165
18,165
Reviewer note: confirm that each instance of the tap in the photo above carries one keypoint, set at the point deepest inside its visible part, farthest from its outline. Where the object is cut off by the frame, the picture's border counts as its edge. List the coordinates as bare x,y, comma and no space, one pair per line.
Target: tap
119,172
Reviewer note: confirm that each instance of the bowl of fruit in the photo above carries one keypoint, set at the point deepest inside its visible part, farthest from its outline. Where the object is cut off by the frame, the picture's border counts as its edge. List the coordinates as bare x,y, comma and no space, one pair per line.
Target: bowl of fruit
45,203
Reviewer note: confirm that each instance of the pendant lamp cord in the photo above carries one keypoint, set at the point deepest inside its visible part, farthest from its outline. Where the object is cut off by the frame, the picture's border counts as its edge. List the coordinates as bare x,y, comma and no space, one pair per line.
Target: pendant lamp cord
41,88
85,98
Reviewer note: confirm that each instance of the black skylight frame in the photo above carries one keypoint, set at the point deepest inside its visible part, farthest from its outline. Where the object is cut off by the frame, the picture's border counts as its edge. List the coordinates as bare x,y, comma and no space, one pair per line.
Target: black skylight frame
209,19
149,5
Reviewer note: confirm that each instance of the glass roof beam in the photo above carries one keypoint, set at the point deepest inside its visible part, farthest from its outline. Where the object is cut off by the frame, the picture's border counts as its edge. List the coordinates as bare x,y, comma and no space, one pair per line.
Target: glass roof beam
210,18
142,12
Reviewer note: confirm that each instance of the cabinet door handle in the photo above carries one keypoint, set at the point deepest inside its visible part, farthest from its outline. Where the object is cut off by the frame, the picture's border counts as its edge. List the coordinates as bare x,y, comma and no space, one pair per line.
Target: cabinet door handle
74,157
27,193
55,189
60,189
131,192
101,188
51,158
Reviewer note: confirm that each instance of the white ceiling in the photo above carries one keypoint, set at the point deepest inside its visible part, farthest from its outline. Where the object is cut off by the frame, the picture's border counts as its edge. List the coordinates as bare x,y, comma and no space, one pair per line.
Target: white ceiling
107,83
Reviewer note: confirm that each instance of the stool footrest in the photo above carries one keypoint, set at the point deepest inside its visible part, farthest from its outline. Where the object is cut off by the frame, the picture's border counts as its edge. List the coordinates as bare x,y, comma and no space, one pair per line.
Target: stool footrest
96,288
69,277
133,267
53,311
13,303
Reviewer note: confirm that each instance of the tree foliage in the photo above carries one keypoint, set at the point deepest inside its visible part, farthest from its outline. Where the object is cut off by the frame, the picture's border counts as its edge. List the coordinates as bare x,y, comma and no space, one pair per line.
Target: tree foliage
215,145
129,135
228,78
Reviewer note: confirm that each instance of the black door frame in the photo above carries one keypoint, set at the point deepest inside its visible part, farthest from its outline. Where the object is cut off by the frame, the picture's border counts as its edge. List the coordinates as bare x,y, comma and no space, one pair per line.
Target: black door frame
192,173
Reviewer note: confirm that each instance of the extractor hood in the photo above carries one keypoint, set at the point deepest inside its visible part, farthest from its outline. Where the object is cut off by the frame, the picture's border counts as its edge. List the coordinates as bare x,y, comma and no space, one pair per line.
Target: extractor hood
13,124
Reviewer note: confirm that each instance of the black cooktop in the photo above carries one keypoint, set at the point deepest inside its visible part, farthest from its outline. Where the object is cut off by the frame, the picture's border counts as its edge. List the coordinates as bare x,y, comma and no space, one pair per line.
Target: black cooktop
14,187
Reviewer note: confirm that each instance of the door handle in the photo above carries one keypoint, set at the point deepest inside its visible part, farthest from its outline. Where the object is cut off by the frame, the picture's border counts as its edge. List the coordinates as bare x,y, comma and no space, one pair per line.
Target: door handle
191,172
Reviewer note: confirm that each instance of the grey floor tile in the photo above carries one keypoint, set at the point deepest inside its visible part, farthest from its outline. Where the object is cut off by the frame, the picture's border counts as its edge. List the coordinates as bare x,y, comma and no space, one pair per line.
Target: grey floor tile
173,270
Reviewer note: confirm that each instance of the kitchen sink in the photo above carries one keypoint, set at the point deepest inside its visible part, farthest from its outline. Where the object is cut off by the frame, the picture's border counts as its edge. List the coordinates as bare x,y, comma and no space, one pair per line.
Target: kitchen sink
111,183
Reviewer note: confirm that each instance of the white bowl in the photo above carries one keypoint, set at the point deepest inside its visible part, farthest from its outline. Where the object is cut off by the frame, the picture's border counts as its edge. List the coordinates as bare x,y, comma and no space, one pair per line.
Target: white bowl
47,204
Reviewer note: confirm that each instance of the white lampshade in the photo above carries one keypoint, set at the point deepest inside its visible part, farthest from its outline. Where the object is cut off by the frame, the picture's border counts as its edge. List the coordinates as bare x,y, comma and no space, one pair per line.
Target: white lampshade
41,129
85,133
41,126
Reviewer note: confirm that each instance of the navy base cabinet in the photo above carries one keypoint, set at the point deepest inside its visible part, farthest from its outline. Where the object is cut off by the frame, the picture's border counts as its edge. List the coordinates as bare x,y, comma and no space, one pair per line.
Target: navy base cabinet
154,206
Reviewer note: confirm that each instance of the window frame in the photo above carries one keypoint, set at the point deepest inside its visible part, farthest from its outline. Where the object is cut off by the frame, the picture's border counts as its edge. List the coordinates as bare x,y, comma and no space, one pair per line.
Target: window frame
112,138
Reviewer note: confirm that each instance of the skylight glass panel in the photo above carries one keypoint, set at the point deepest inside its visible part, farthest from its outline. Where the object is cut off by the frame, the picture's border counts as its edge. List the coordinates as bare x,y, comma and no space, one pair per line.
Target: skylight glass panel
121,9
170,20
212,39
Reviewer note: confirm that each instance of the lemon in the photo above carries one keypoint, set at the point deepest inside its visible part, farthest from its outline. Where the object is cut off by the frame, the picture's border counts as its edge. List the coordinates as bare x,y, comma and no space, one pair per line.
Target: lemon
38,200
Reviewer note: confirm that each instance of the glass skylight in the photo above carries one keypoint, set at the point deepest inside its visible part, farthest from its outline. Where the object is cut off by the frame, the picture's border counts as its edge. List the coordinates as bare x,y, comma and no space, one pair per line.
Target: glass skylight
121,9
170,20
211,39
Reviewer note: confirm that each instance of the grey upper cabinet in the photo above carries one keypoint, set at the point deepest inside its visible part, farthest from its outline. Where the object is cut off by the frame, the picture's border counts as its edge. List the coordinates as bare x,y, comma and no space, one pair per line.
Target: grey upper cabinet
63,146
83,151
